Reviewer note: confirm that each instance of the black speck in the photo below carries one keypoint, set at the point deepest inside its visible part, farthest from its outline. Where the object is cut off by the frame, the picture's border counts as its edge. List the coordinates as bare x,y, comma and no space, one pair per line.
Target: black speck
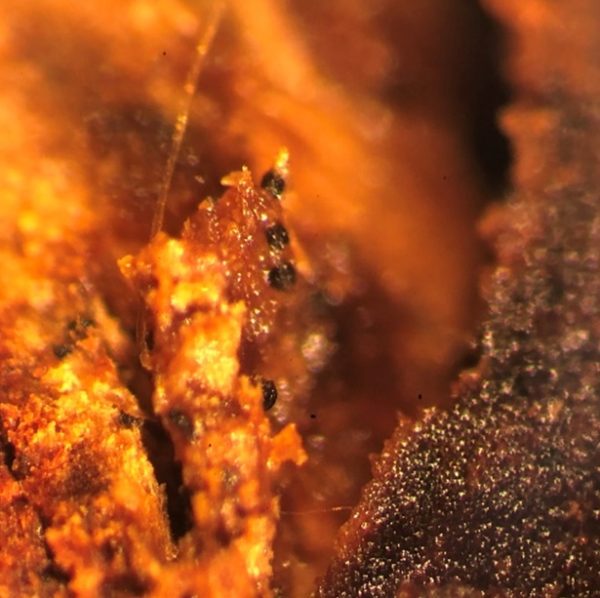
269,391
277,236
282,277
313,416
61,351
182,421
273,183
126,420
79,324
420,397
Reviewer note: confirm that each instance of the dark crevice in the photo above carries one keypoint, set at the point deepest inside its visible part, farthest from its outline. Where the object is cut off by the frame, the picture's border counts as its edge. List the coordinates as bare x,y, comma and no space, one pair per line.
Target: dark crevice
9,454
52,571
491,148
139,383
455,51
161,453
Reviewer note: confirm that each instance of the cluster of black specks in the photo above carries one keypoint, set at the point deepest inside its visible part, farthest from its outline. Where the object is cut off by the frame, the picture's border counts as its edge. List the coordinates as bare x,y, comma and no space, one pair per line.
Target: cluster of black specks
269,392
502,494
80,324
282,277
277,236
128,421
273,182
76,330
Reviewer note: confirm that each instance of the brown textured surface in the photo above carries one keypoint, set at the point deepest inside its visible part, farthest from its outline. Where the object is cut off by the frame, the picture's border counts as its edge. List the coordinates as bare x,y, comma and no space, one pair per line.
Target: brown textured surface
500,493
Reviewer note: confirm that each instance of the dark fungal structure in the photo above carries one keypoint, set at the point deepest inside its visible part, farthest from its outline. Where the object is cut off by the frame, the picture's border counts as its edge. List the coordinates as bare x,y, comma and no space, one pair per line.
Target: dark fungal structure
500,495
269,391
277,236
273,182
282,277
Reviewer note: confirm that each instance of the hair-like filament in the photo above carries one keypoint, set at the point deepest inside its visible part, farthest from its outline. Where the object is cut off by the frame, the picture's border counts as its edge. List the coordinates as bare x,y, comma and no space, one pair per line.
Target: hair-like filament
203,46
